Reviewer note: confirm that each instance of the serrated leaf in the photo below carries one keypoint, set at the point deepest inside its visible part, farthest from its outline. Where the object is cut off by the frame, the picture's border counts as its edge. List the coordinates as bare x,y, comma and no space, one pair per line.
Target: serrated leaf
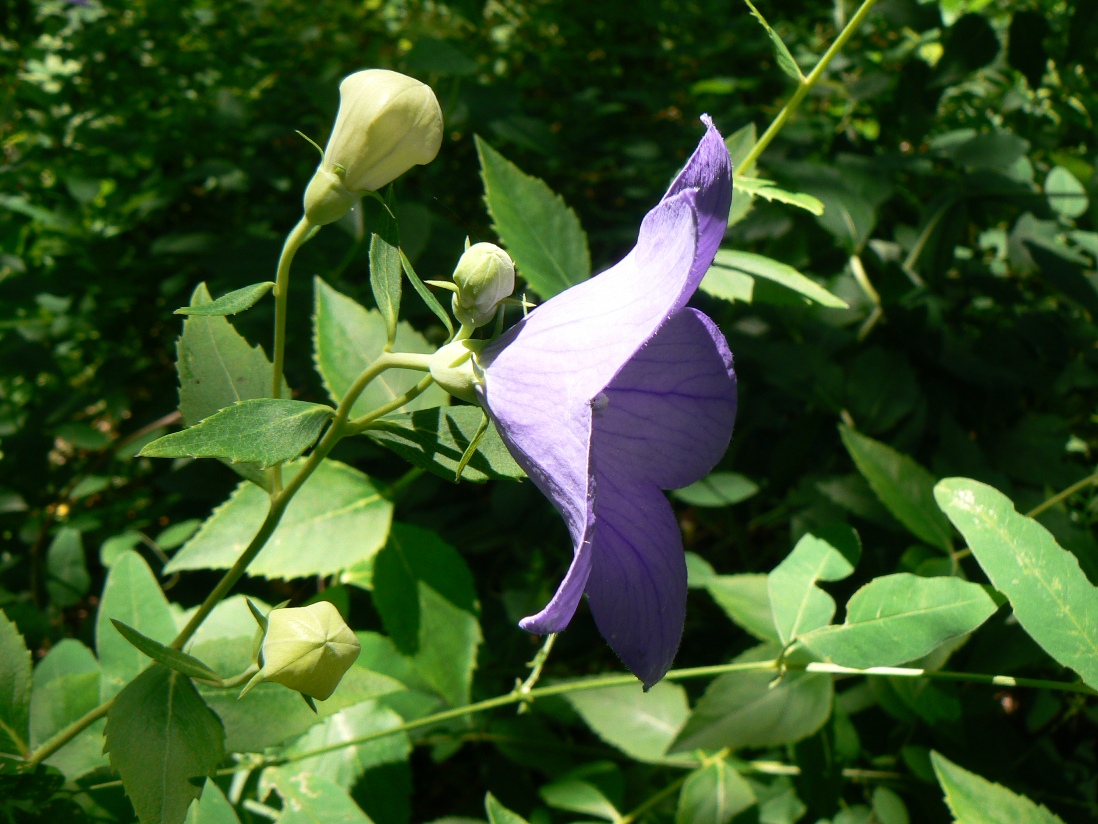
713,794
770,191
745,598
498,814
898,618
263,431
310,799
717,489
160,736
181,662
975,800
348,337
15,688
231,303
798,605
435,439
903,486
640,724
537,227
1052,598
728,284
758,266
67,579
385,269
337,519
750,709
212,807
781,53
131,595
218,368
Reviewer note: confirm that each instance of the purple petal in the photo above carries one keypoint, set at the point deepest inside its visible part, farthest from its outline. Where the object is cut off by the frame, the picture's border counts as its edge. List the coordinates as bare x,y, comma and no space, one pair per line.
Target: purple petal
668,414
560,609
637,587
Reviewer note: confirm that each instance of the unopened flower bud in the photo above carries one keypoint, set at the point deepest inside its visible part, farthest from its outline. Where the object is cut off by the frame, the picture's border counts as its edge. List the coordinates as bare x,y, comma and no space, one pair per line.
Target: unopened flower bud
484,276
387,123
454,368
308,649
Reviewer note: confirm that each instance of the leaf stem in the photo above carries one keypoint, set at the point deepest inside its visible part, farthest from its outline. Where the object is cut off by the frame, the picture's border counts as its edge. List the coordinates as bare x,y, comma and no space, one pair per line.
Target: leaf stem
1060,496
656,798
804,87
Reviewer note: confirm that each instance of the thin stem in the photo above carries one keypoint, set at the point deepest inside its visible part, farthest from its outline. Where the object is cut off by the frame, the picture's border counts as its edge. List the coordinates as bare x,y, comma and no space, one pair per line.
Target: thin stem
809,81
656,799
1060,496
70,732
536,666
946,675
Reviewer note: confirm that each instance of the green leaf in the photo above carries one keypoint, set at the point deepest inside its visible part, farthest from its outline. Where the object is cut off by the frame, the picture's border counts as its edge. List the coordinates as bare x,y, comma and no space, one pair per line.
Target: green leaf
435,439
799,606
758,266
263,431
336,520
750,709
717,489
1066,195
15,688
739,145
640,724
60,702
713,795
745,598
347,338
498,814
230,304
888,807
898,618
160,735
426,294
540,231
770,191
218,368
785,60
212,807
975,800
903,486
386,271
728,284
425,595
133,596
1051,596
68,579
310,799
577,796
181,662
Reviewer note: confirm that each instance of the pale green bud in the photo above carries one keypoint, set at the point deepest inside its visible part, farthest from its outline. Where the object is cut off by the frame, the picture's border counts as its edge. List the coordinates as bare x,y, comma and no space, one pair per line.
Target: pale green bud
308,649
387,123
484,276
454,368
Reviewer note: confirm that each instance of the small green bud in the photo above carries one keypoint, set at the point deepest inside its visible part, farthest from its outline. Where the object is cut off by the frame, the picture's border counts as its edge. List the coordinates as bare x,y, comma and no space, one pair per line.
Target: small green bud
454,368
308,649
484,276
387,123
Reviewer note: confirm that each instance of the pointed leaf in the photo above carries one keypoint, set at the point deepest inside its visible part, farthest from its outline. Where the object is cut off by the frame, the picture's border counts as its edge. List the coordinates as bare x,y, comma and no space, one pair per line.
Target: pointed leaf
181,662
160,736
385,270
898,618
785,60
903,486
745,598
539,230
67,569
975,800
798,605
1052,598
15,688
717,489
758,266
231,303
426,294
337,519
498,814
770,191
576,796
713,795
212,807
263,431
640,724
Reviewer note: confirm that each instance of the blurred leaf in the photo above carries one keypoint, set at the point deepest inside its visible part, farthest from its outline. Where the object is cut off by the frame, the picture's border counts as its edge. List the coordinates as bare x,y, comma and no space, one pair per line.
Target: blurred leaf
576,796
717,489
498,814
539,230
1066,195
310,799
640,724
263,431
181,662
1052,598
61,698
888,807
798,605
435,440
160,735
970,44
898,618
231,303
758,266
713,795
739,145
785,60
770,191
15,688
903,486
212,807
975,800
386,272
68,579
348,338
338,508
745,598
131,595
728,284
996,151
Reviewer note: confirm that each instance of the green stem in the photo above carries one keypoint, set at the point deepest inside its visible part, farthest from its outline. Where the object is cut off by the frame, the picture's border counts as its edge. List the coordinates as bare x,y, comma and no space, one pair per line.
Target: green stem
803,89
1060,496
656,798
70,732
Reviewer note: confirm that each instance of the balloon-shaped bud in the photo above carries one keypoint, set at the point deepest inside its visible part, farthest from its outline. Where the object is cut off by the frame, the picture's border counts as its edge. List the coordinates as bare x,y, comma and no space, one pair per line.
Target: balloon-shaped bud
308,649
387,123
484,276
454,368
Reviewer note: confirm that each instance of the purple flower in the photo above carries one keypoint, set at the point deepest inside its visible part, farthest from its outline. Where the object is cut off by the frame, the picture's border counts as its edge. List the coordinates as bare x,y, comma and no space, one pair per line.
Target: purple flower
613,391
